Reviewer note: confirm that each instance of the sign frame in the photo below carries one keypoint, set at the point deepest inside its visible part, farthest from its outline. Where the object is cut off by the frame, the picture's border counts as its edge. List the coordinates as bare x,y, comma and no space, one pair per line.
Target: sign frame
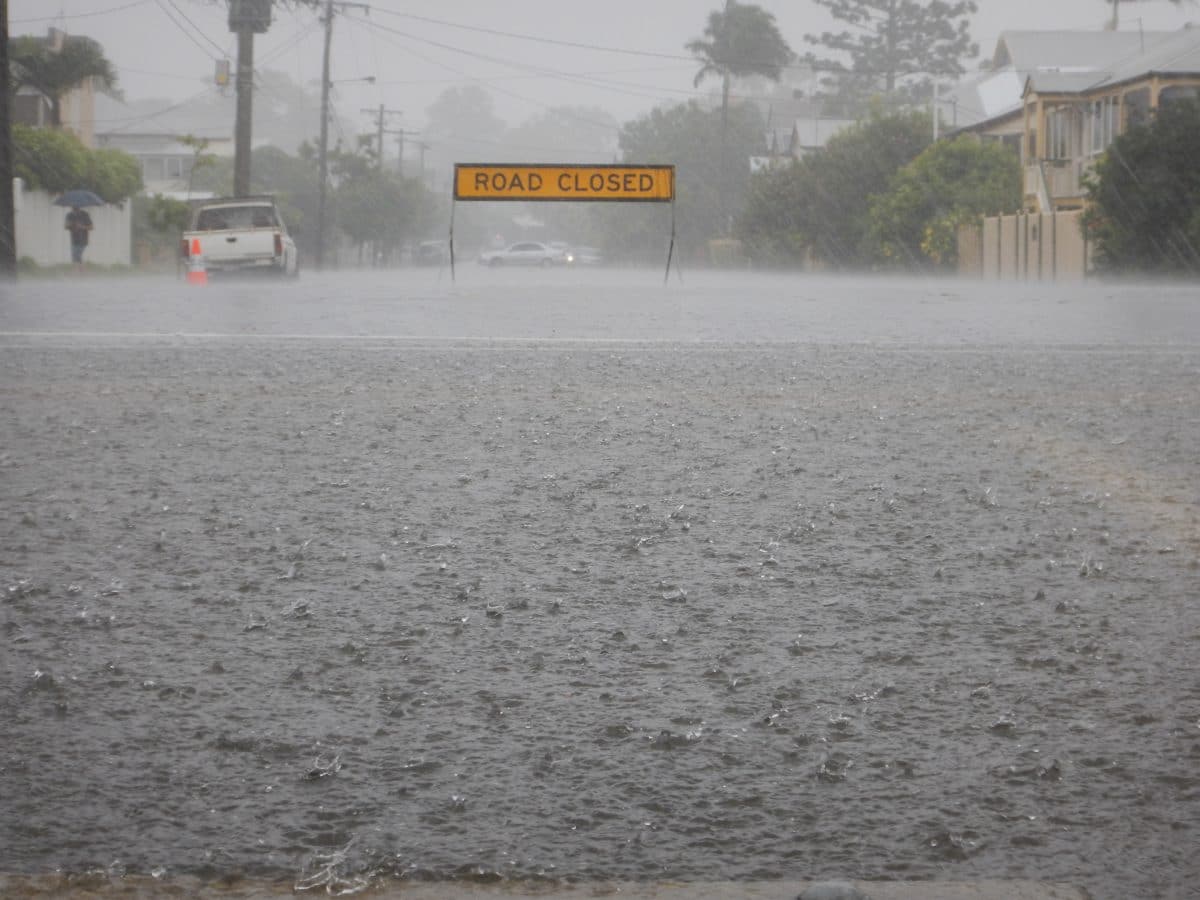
528,183
606,183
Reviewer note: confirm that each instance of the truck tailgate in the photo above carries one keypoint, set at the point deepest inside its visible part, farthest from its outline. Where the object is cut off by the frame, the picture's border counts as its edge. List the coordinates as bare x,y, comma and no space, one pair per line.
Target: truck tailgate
235,248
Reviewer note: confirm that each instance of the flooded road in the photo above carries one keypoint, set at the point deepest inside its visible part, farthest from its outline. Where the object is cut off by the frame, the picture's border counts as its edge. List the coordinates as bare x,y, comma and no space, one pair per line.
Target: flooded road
574,576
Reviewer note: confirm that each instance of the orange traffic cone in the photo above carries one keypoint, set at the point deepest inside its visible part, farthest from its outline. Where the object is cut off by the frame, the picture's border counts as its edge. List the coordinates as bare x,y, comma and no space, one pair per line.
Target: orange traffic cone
196,272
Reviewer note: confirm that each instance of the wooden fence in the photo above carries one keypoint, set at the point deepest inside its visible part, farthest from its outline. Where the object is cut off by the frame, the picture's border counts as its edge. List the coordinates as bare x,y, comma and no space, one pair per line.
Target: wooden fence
1026,246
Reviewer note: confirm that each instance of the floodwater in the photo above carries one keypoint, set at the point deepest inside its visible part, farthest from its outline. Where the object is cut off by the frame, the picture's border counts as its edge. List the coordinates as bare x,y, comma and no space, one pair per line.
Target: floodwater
580,576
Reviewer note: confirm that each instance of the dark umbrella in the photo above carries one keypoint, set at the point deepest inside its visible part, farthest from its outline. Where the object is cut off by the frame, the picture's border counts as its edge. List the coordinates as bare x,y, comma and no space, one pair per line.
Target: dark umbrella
79,198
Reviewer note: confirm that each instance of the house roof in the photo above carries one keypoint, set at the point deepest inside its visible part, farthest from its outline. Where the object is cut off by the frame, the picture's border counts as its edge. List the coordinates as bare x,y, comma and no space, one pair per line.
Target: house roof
1028,51
1067,62
1054,82
1178,54
1175,53
813,131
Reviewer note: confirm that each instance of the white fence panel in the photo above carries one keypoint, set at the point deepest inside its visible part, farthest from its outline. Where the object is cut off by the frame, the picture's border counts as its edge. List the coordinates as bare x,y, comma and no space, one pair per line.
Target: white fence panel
42,237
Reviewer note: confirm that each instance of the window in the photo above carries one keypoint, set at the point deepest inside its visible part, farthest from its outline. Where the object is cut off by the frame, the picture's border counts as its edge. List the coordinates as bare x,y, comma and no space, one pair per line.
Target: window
174,167
152,169
1176,93
218,218
1102,124
1137,108
1060,133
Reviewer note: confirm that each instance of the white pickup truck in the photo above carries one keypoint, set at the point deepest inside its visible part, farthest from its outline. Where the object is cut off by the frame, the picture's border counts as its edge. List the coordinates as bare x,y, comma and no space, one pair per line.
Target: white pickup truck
242,234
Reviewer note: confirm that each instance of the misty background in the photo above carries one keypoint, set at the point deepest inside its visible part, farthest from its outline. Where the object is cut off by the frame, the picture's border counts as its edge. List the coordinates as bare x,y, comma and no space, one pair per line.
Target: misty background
609,62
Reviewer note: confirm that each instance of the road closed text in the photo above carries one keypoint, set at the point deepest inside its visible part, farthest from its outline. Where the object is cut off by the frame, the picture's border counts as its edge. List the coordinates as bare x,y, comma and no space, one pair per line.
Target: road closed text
517,182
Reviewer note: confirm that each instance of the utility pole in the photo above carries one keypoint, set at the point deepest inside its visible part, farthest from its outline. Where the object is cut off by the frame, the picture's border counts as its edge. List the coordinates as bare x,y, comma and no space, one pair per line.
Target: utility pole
245,105
422,146
8,230
246,18
379,130
400,133
323,150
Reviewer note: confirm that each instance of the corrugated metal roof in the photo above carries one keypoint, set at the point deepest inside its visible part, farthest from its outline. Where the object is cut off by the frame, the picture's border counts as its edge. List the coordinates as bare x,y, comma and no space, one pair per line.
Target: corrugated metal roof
1029,51
1178,53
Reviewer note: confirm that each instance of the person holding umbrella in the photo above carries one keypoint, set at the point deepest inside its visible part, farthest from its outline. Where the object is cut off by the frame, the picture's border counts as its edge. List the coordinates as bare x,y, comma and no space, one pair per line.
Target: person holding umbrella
78,222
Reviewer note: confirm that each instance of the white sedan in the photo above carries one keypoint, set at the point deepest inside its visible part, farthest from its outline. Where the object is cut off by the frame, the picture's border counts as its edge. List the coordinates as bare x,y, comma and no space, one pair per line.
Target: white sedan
524,253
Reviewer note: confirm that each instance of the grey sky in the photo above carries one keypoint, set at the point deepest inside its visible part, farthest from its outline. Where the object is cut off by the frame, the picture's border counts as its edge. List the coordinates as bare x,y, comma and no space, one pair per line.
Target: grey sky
167,48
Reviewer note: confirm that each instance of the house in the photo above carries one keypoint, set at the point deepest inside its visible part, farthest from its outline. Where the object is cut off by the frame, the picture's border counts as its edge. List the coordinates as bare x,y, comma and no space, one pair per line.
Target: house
77,107
1078,92
1061,97
165,158
803,136
1071,118
161,136
795,113
811,133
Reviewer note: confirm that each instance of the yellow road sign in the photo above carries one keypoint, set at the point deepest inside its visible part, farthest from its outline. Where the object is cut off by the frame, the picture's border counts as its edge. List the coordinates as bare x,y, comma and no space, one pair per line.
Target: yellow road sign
478,181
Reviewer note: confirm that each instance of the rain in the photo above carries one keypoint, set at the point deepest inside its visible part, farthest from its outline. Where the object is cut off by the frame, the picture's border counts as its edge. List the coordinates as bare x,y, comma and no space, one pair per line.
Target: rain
735,559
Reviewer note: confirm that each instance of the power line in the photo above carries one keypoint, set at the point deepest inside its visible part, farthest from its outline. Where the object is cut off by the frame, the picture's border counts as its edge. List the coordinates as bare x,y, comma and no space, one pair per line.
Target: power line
528,75
802,65
173,75
199,30
131,120
539,40
102,12
513,94
646,92
186,33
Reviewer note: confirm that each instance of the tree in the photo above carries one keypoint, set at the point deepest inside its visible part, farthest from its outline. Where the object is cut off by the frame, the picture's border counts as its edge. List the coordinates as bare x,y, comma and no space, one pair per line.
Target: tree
821,204
376,208
952,183
1144,196
461,119
582,134
291,179
739,41
38,65
687,135
112,174
157,223
57,161
894,43
200,158
52,161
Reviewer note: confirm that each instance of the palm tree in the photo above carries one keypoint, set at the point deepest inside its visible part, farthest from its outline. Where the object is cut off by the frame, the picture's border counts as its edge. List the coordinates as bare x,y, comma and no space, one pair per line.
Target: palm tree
739,41
36,64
